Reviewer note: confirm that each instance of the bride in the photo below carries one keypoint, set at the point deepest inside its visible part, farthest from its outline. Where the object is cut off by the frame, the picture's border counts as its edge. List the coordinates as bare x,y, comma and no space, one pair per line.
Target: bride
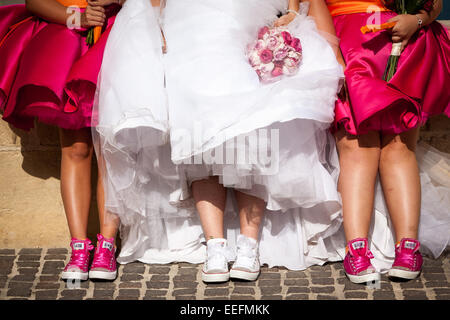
158,114
178,104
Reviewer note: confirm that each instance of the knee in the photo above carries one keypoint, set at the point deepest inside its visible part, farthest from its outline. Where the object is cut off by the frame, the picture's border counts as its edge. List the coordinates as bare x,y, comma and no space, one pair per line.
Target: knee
78,152
351,152
396,150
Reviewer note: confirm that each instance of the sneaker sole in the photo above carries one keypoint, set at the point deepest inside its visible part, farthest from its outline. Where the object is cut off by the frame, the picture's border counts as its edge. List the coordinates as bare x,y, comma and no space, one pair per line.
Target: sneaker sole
103,275
244,275
403,274
67,275
215,277
364,278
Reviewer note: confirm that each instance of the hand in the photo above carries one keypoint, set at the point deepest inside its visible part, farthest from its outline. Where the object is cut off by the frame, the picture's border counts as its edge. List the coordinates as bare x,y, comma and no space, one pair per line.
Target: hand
104,3
93,17
405,27
285,20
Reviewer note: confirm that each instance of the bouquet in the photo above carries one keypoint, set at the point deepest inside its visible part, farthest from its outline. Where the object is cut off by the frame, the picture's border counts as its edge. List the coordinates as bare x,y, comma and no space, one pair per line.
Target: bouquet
276,53
400,7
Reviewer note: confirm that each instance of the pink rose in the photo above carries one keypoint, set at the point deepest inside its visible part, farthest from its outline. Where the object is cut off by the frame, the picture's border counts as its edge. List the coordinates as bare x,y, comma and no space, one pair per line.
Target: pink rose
266,56
277,71
272,43
262,32
296,44
281,54
287,37
259,45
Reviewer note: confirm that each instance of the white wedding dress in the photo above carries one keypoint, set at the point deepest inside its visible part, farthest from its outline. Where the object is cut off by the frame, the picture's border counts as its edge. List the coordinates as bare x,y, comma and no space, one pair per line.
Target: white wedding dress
162,121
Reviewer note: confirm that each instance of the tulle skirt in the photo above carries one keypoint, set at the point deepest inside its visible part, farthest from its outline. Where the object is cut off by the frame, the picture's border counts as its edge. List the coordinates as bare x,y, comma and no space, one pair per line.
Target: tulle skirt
419,89
47,71
164,121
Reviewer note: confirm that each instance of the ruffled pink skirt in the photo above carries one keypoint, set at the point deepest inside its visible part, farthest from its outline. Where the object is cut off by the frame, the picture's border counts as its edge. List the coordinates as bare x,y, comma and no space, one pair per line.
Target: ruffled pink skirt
419,89
47,71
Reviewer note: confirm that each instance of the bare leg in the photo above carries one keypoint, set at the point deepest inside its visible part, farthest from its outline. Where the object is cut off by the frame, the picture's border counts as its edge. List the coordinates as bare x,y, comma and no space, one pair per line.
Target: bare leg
109,222
210,197
359,159
399,174
251,211
77,151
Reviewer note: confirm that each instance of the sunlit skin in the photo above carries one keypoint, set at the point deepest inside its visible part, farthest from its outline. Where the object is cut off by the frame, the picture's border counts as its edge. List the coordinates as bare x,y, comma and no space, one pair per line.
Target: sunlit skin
76,145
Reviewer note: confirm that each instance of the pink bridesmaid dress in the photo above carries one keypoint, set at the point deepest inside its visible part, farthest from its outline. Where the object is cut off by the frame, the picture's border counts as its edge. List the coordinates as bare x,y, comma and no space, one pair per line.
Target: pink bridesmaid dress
47,71
419,89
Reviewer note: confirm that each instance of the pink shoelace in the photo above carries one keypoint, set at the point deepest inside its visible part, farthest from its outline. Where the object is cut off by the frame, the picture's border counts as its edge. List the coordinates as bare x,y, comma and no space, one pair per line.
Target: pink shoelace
80,258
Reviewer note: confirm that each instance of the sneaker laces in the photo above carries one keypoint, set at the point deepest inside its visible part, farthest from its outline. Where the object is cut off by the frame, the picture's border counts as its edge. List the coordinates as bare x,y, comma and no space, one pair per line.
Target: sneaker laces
79,257
216,255
361,261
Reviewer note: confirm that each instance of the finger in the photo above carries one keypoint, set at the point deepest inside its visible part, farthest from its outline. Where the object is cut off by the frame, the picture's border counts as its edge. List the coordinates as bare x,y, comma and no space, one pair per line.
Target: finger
396,39
404,43
393,19
95,19
97,9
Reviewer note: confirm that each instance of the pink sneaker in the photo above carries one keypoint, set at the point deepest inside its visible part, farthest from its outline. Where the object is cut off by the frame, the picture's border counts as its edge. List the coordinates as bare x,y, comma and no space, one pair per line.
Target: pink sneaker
104,264
357,264
408,260
77,268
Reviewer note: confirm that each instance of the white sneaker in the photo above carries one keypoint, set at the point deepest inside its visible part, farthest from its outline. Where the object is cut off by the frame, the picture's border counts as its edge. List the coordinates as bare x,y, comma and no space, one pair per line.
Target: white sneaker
246,266
215,268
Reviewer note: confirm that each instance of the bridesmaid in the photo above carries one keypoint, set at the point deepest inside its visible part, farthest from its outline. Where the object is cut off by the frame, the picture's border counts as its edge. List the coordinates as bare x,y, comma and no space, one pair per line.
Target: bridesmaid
49,73
377,129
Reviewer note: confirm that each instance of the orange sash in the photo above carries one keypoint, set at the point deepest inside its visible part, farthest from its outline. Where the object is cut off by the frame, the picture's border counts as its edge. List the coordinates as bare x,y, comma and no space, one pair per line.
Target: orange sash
340,7
82,4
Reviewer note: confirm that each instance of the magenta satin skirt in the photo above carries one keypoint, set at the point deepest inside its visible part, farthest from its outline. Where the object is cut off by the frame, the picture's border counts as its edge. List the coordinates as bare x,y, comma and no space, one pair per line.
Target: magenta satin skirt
419,89
47,71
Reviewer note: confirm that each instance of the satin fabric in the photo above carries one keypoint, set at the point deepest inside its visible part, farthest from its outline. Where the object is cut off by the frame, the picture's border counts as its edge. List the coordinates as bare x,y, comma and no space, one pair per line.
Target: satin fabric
419,89
339,7
47,71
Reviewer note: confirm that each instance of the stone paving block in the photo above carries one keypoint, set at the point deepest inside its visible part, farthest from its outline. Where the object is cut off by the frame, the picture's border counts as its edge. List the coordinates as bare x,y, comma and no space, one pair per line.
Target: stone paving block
296,282
292,290
138,268
130,285
28,264
157,285
188,291
10,252
159,270
322,289
103,294
131,277
414,295
356,295
55,257
33,251
159,277
326,297
19,289
270,290
297,297
323,281
268,283
296,274
153,293
243,290
240,297
185,284
132,293
57,251
46,294
272,297
217,292
383,295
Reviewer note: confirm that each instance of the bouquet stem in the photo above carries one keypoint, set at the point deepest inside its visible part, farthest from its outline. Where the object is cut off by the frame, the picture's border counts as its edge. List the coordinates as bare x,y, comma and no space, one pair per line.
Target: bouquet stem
392,64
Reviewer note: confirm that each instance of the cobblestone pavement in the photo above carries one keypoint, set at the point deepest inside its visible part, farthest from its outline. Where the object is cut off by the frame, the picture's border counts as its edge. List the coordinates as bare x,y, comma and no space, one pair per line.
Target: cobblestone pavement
33,274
